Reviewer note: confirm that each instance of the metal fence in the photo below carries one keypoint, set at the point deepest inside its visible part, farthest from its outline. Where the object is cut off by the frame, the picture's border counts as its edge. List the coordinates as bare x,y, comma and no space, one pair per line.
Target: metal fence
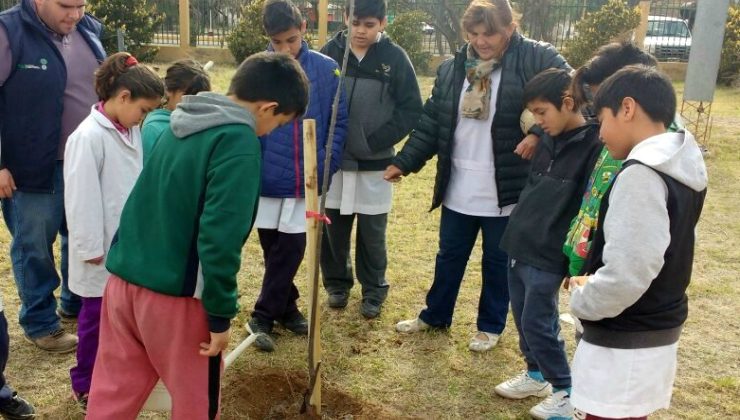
668,35
169,32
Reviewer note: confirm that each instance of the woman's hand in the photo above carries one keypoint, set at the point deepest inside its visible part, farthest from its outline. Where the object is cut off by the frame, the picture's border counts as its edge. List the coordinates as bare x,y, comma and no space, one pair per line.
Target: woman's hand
527,146
392,173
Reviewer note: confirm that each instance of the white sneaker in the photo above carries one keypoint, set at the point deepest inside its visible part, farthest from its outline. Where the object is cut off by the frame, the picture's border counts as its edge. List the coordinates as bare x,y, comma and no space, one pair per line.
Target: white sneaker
523,386
483,344
412,326
556,406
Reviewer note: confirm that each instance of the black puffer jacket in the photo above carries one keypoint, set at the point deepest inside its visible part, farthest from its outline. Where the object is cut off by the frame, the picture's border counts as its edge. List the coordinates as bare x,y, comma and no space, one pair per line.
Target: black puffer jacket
435,132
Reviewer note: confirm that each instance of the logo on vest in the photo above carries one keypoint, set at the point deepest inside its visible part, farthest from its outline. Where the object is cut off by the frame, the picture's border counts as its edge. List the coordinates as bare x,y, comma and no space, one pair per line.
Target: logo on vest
41,66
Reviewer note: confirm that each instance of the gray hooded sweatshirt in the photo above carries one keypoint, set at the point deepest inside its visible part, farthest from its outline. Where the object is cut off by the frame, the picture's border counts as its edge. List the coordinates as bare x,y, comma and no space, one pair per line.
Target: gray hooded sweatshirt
636,227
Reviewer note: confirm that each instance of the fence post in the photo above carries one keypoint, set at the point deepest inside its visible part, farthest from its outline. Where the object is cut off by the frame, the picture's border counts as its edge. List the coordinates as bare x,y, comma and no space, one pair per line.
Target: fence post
323,21
641,30
184,24
120,40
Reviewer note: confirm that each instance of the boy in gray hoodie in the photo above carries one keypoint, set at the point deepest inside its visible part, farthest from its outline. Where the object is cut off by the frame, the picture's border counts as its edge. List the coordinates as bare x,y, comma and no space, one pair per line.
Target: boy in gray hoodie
634,305
384,103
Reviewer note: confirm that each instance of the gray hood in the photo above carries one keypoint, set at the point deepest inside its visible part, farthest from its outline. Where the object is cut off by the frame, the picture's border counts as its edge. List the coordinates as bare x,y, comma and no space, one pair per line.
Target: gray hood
676,155
206,110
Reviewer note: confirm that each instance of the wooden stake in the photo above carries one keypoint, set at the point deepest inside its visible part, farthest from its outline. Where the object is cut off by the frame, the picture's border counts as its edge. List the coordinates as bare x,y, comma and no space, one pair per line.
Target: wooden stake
313,226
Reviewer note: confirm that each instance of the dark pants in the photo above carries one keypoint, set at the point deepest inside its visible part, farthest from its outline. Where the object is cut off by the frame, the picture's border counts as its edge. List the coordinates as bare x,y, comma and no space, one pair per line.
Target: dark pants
457,235
534,304
88,331
5,392
283,254
34,221
371,260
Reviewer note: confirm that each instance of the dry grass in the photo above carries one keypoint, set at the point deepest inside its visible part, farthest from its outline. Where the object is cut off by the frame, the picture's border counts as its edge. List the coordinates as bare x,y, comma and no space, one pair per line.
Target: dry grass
434,375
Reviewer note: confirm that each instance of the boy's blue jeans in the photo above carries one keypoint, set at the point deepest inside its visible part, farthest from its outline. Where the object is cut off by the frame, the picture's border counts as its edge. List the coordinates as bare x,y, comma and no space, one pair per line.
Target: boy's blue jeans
457,235
34,220
534,304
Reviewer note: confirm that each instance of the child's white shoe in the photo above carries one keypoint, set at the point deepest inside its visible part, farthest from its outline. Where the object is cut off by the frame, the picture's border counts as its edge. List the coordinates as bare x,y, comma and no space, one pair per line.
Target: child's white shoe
412,325
556,406
523,386
483,341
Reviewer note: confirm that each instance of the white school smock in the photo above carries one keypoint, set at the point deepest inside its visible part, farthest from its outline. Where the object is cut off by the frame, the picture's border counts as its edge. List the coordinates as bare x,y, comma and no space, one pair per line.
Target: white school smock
362,192
472,186
620,383
287,215
101,166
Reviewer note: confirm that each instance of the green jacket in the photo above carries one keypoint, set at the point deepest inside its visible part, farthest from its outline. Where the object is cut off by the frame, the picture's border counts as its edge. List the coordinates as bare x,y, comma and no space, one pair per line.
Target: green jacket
185,223
155,123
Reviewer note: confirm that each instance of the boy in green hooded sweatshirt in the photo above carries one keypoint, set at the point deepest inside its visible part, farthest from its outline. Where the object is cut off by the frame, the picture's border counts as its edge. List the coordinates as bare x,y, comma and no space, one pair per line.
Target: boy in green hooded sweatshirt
168,304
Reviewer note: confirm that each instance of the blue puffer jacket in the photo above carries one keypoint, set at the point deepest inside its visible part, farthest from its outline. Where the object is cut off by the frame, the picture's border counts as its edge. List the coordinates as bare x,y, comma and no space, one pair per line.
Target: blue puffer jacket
282,150
31,102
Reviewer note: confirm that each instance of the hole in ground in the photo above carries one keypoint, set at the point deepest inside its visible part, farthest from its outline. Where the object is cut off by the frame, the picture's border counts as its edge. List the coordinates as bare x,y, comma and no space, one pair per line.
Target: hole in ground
278,394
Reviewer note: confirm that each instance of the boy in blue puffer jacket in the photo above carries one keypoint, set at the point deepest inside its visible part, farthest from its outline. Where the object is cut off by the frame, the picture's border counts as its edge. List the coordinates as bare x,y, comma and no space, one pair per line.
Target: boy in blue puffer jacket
281,220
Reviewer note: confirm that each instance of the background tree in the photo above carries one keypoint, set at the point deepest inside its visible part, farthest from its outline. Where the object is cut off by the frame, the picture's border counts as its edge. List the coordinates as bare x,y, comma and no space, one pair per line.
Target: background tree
248,36
612,21
136,18
406,32
729,68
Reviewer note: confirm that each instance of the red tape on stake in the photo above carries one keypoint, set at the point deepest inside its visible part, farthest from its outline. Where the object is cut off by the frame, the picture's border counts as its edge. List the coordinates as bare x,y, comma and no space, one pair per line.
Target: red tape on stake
318,216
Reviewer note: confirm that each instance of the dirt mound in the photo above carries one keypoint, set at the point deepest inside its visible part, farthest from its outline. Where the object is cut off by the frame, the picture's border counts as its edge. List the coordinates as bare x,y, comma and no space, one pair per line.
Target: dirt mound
278,394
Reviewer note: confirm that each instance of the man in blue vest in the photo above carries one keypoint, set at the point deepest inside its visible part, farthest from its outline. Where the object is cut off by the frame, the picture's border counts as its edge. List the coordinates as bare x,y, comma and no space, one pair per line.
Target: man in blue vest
49,50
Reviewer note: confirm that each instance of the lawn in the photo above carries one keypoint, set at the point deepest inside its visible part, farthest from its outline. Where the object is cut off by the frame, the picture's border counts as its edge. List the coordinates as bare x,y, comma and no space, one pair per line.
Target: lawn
381,374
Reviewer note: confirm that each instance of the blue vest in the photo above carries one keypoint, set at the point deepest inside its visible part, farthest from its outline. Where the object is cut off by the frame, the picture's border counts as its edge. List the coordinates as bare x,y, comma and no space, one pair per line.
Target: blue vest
32,98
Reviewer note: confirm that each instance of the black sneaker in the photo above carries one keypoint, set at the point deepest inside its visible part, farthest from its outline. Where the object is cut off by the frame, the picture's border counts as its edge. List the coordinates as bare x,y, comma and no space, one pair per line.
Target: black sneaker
369,309
295,323
16,408
338,300
262,330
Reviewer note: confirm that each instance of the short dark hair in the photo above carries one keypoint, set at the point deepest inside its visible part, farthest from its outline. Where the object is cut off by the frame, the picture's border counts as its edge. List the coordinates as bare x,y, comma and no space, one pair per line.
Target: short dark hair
650,88
608,60
551,85
188,77
367,8
280,15
122,71
269,76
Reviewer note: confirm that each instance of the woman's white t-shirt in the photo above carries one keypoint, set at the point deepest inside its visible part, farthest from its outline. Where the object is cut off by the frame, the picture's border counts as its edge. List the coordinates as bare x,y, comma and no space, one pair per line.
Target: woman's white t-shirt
472,187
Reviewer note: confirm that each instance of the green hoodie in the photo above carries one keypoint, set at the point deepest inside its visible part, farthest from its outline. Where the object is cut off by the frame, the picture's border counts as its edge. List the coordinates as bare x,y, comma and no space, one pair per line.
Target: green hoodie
185,223
155,123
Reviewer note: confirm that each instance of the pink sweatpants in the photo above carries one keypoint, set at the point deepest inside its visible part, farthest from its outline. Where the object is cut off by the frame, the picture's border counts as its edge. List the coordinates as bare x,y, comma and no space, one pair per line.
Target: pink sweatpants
145,335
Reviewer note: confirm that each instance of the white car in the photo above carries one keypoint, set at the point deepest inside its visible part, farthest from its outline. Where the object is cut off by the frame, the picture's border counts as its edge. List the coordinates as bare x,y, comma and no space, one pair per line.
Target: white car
668,38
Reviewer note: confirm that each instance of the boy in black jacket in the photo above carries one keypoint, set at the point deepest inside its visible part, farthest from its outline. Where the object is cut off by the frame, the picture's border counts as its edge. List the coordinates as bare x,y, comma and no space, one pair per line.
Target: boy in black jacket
384,103
533,240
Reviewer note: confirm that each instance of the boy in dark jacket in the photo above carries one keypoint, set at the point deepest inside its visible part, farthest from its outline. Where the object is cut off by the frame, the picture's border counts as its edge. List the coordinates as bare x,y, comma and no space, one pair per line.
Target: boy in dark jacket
172,293
384,103
534,236
634,304
281,218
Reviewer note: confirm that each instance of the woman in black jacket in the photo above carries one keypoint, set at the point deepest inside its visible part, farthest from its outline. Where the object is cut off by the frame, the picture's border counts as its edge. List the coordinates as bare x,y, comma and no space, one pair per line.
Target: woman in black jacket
471,122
